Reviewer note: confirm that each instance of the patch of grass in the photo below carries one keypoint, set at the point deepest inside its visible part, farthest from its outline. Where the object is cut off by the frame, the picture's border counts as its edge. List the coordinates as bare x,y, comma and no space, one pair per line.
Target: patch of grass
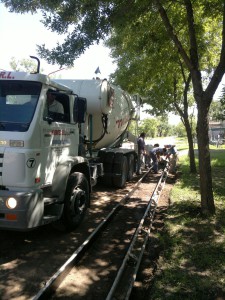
181,144
215,147
193,262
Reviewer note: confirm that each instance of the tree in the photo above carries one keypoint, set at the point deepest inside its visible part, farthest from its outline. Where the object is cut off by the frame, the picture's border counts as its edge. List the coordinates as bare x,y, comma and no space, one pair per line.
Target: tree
156,73
26,65
180,130
195,28
149,126
81,22
217,111
203,97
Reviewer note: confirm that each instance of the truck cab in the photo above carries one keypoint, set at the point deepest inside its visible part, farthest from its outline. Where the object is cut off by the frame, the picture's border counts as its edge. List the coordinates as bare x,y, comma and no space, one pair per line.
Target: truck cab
42,177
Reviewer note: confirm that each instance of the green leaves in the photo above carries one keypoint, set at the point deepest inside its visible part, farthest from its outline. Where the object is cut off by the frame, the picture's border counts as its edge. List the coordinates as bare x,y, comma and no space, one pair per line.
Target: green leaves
135,25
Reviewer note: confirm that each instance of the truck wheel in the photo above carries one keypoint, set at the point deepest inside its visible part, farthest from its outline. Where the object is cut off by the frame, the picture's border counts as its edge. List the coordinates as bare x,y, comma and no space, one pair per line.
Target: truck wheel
76,200
131,163
120,170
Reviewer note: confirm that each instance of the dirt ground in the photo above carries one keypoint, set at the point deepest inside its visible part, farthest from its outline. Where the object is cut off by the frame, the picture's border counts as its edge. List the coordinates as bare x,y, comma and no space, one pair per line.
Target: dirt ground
148,267
28,259
96,272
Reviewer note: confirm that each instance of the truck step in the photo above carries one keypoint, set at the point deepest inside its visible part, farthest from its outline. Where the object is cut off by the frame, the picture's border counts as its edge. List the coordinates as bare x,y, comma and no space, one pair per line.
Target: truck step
48,201
49,219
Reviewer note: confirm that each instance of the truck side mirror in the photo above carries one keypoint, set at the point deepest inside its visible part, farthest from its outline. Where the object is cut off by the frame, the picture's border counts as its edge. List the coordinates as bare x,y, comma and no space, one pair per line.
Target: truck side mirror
79,110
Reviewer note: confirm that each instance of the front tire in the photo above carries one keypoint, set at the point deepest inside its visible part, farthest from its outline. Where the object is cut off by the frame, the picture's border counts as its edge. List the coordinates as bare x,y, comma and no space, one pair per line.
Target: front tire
76,200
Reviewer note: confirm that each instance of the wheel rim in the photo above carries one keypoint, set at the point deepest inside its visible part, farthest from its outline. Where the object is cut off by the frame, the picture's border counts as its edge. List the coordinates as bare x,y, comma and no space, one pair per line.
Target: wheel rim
78,203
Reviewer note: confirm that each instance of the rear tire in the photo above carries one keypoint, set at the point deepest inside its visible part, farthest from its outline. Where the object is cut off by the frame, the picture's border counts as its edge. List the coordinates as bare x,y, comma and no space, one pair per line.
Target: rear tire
76,200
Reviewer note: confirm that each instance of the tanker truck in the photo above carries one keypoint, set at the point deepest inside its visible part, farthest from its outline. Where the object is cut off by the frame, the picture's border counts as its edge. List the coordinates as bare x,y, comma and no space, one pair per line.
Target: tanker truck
49,160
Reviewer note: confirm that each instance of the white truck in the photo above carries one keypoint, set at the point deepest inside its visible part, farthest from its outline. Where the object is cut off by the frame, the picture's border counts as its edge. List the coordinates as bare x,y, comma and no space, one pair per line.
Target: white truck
49,163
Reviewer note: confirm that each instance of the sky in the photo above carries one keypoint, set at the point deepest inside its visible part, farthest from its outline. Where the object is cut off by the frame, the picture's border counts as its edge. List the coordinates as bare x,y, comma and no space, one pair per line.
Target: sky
20,33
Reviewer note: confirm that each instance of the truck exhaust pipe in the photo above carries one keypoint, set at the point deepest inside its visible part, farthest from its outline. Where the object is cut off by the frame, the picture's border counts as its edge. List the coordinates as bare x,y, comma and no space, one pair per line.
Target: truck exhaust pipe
38,65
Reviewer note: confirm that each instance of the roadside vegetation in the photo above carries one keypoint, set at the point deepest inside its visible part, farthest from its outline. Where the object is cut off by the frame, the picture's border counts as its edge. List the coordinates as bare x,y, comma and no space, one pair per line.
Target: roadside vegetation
192,264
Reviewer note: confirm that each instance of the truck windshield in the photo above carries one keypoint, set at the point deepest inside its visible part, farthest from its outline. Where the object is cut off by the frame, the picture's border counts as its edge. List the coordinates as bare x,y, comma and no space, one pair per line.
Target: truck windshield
18,100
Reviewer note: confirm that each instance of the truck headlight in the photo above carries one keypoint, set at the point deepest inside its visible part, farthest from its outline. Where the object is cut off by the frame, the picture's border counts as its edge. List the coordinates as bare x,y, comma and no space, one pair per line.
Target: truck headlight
11,203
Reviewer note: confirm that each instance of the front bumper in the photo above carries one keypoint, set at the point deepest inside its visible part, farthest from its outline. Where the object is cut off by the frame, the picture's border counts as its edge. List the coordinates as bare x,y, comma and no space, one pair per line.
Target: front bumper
28,213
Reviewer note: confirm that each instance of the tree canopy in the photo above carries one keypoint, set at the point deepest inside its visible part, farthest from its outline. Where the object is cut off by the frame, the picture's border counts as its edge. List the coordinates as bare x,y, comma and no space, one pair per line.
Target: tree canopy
81,22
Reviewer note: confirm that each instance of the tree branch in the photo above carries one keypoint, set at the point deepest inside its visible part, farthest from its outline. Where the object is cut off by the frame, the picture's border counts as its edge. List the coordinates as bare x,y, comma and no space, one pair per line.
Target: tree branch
172,35
220,70
192,35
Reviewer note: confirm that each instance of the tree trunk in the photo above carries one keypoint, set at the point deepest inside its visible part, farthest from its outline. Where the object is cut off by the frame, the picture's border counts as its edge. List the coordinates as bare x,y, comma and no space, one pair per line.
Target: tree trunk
191,147
207,201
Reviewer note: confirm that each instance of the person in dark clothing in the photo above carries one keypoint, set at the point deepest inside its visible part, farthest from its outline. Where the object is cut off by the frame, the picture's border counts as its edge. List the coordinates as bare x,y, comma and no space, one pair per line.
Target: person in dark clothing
141,151
155,155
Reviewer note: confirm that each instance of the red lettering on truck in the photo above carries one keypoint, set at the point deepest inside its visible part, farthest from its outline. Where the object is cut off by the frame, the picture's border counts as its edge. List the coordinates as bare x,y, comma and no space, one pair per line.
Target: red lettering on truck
6,75
121,122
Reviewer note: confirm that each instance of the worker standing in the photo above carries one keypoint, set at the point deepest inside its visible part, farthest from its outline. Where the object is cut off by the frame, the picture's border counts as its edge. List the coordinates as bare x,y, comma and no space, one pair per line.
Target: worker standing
141,152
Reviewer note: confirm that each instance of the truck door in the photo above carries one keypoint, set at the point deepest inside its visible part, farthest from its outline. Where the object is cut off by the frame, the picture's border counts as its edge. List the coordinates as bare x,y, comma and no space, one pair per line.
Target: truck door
57,136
